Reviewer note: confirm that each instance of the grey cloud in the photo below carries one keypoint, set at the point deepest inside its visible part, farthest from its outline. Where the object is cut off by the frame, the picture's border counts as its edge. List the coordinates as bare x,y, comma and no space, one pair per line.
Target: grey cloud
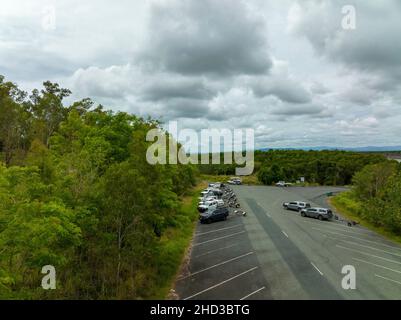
298,110
283,88
372,46
206,37
184,108
166,89
319,88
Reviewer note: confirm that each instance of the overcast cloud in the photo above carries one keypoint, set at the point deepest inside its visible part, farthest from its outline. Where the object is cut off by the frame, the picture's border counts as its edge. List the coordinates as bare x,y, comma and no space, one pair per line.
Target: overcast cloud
285,68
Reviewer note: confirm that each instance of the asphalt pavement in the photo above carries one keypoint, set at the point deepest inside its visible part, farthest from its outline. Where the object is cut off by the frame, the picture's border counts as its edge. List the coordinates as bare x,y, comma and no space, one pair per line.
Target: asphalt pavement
273,253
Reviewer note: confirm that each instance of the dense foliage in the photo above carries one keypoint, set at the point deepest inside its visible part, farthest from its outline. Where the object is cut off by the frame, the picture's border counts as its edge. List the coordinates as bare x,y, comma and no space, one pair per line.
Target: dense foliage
321,167
376,196
317,167
76,192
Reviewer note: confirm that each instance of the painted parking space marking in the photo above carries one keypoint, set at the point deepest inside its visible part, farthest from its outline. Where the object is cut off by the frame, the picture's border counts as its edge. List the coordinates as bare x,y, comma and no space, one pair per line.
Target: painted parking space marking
317,269
376,265
252,293
217,230
216,265
215,250
370,247
388,279
368,254
221,283
219,238
323,226
357,238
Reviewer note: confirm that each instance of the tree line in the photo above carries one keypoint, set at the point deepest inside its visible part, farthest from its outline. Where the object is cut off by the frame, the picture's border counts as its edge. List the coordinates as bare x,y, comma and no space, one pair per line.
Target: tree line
76,192
376,195
324,167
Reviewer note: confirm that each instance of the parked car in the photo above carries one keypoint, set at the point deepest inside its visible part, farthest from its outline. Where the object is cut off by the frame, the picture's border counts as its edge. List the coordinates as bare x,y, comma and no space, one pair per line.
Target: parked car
208,198
209,202
218,214
216,185
317,213
296,205
203,207
217,192
235,181
283,184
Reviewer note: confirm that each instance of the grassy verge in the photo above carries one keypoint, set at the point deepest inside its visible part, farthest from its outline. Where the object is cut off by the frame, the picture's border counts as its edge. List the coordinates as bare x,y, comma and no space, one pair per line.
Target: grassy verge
349,207
176,242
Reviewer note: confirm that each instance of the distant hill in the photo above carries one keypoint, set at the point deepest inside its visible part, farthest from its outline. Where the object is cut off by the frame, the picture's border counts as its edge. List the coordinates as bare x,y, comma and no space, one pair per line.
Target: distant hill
356,149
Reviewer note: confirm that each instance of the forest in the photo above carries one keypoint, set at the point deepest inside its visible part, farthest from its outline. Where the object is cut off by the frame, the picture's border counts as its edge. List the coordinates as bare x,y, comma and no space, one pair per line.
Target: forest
77,193
375,197
326,167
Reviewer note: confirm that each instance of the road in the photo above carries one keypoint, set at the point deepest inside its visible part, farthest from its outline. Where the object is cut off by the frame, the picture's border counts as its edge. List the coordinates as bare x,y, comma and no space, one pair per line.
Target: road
277,254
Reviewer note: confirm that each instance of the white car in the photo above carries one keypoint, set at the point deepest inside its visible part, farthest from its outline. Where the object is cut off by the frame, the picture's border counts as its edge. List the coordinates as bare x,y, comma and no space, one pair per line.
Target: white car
207,198
283,184
296,205
205,206
207,202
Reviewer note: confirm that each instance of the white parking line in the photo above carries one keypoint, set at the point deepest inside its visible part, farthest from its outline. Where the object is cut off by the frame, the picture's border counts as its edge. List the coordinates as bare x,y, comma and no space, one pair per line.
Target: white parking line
369,247
344,235
252,293
216,265
388,279
368,254
376,265
216,230
332,228
321,273
215,239
221,283
219,249
338,226
285,233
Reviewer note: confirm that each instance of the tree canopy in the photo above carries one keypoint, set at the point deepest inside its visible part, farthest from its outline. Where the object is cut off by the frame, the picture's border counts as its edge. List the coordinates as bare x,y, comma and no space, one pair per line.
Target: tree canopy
76,192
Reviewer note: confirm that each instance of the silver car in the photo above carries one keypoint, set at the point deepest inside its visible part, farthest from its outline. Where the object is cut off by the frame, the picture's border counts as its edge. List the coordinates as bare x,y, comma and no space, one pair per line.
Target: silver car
317,213
296,205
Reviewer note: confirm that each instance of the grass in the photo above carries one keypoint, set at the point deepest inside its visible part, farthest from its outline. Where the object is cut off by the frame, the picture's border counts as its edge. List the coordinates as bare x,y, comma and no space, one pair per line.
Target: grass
349,207
175,243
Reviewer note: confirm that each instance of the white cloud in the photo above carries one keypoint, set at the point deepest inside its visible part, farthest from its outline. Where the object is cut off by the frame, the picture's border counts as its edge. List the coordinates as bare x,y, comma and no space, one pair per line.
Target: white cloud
285,68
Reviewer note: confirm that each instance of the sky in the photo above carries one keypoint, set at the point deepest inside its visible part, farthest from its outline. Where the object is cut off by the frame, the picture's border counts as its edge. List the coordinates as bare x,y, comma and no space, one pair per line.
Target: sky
287,69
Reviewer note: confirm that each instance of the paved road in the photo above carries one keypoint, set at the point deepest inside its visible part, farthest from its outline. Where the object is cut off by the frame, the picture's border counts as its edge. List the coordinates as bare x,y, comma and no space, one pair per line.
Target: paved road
276,254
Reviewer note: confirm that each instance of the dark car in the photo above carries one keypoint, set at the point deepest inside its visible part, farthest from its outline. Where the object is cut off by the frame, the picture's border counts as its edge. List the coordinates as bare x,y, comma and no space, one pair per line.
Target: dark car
318,213
216,215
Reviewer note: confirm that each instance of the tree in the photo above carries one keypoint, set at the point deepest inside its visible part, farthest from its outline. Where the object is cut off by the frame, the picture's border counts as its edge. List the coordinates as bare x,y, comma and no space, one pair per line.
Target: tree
12,118
370,181
48,110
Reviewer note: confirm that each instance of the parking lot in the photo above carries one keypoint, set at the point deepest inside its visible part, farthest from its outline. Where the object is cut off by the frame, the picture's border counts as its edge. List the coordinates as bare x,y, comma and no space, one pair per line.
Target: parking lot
223,264
272,253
